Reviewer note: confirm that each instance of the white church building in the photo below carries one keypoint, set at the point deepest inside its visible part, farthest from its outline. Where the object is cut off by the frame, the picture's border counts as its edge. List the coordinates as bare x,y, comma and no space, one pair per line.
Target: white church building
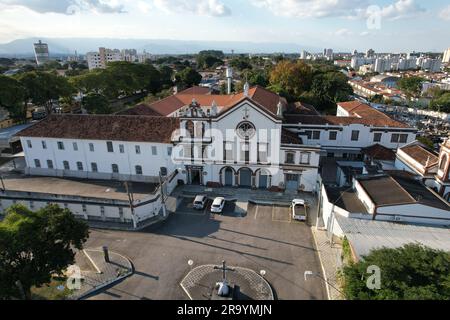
244,140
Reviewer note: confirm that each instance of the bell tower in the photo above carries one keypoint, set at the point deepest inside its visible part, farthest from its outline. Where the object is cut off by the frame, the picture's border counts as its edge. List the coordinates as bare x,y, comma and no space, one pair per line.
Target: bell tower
443,175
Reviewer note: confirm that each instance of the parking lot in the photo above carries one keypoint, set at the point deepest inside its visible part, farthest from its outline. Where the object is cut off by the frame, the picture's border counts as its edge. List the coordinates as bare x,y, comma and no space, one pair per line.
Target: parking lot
264,238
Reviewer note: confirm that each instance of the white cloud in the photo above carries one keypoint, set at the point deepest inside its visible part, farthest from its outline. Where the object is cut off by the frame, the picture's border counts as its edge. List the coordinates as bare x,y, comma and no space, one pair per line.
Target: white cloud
338,8
213,8
343,32
401,9
311,8
67,6
445,13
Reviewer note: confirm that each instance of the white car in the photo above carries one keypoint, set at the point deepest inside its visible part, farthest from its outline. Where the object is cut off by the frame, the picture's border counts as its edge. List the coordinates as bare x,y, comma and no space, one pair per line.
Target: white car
218,205
200,202
299,210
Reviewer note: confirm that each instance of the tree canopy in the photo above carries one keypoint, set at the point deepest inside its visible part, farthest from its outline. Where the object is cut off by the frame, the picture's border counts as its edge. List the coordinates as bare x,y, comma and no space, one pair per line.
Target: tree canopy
188,77
411,86
122,78
34,246
441,101
320,84
96,103
412,272
43,87
12,97
291,78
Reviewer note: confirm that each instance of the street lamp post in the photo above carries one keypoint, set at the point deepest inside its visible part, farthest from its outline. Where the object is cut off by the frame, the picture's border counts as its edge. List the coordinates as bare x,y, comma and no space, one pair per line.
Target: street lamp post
331,228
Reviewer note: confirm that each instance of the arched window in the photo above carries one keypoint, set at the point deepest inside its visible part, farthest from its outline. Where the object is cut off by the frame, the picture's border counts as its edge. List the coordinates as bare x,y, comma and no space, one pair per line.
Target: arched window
190,127
444,161
290,157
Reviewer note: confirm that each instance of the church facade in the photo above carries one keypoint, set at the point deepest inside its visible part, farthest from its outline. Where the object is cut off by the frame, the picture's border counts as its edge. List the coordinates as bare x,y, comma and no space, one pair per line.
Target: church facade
236,141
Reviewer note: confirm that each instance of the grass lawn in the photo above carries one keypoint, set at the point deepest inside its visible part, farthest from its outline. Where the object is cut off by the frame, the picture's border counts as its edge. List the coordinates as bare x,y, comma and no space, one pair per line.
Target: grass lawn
51,291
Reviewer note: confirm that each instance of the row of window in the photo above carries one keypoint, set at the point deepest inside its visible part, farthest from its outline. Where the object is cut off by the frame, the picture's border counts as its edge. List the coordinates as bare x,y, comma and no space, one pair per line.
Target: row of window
305,158
332,136
66,206
80,167
109,146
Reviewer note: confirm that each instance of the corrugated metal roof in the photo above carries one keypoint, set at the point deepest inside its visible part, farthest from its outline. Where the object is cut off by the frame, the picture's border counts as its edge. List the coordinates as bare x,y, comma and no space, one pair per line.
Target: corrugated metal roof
367,235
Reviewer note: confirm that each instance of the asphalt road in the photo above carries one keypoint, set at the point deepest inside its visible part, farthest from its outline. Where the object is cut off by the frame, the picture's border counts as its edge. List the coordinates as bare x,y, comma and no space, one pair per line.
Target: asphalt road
264,239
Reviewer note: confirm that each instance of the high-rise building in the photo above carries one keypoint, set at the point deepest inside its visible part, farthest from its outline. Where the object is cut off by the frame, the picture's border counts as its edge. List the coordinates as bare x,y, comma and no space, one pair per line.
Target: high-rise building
446,58
99,60
303,55
41,53
370,53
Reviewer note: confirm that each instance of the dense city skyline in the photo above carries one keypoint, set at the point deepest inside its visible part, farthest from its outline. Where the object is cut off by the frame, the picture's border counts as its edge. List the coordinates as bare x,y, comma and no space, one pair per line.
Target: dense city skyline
384,25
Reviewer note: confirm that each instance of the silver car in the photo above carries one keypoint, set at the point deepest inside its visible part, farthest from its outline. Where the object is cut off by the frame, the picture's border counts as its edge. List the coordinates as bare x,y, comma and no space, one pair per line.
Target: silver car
200,202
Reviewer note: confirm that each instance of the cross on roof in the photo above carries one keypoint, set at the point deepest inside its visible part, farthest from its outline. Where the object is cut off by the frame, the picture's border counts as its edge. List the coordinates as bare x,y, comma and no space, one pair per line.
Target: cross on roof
224,269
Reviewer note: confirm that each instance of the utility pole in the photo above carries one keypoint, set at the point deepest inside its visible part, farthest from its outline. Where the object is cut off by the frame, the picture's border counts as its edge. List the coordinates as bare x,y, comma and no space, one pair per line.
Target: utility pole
131,200
161,188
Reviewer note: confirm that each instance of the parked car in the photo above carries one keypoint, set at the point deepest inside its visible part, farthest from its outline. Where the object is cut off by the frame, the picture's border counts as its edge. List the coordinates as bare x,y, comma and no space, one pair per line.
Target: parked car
200,202
218,205
299,210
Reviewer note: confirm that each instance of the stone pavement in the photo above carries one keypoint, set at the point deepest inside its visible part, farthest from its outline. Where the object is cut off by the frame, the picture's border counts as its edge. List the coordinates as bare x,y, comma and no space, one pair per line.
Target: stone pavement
96,273
331,261
200,283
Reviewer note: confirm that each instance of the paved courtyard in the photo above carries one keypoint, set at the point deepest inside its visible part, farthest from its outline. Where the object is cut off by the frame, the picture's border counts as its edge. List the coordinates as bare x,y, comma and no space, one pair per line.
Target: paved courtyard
263,238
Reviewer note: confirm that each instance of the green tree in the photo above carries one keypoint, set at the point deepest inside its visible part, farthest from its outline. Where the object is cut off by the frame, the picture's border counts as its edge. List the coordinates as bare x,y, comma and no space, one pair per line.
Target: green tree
426,141
44,87
241,63
34,246
12,98
208,61
412,272
96,103
411,86
291,78
441,102
331,87
188,77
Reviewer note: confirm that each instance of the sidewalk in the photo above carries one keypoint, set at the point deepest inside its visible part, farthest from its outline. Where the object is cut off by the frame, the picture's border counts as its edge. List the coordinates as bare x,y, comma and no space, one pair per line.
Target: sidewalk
96,273
330,259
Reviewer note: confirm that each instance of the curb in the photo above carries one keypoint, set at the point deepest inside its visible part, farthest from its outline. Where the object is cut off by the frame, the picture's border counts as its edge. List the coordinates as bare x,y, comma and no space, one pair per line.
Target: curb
327,286
108,283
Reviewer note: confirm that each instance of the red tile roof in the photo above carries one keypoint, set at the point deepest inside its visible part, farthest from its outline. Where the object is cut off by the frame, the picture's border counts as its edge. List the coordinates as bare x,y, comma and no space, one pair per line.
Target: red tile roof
379,152
196,90
140,110
113,128
265,98
341,121
288,137
421,155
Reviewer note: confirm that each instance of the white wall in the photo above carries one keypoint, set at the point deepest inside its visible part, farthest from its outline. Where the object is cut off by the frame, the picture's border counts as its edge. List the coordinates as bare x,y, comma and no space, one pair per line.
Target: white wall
126,161
343,140
414,213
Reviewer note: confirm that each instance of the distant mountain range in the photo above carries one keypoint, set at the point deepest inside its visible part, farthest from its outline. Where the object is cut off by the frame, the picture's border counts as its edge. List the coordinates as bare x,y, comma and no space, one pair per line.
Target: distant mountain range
65,46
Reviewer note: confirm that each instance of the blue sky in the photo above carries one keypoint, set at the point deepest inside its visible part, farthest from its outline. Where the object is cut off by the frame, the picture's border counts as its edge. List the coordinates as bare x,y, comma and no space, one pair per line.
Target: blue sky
384,25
